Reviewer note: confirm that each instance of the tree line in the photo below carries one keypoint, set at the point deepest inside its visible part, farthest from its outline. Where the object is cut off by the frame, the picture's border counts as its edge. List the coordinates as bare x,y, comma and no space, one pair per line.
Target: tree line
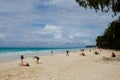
111,37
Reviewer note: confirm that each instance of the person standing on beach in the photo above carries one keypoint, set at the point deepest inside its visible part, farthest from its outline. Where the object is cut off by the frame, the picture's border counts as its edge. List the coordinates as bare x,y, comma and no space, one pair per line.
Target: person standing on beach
21,57
51,53
67,53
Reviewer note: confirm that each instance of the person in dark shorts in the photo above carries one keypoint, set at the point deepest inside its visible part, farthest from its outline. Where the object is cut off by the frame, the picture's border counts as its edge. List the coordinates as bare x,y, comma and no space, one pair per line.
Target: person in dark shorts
37,59
21,57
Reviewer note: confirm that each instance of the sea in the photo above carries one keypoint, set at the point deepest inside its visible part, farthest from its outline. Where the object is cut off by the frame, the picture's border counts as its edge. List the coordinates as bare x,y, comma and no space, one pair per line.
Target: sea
11,53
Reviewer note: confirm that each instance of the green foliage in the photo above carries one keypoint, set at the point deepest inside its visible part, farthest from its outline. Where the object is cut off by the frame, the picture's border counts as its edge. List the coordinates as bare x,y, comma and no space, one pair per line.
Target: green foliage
111,37
103,5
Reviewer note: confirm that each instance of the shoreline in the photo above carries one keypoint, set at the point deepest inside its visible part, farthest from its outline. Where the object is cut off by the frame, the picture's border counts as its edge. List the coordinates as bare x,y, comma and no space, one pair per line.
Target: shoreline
11,56
62,67
14,57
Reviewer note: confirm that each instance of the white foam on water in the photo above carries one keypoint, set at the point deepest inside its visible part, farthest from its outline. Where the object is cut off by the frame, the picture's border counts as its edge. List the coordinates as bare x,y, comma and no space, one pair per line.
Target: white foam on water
10,56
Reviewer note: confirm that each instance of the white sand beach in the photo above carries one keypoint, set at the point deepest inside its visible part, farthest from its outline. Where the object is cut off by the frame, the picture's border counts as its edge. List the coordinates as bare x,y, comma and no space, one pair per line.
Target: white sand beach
62,67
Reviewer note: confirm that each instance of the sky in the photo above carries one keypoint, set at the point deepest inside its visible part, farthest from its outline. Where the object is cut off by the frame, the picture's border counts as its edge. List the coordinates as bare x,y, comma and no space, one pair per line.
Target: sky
49,23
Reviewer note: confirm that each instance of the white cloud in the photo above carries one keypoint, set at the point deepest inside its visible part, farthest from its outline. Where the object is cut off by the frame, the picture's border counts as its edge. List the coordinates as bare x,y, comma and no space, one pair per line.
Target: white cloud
15,6
2,36
57,36
64,23
52,28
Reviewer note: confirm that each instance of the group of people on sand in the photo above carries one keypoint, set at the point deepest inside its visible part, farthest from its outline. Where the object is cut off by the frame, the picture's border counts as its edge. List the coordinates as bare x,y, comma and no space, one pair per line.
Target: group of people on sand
67,54
95,52
27,64
82,50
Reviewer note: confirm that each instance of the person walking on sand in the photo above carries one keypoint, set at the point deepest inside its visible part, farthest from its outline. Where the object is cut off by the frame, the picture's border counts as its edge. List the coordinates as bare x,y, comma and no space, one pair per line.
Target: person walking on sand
37,59
21,57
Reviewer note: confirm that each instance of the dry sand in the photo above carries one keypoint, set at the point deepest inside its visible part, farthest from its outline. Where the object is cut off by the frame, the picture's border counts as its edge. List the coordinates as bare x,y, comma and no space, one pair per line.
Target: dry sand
62,67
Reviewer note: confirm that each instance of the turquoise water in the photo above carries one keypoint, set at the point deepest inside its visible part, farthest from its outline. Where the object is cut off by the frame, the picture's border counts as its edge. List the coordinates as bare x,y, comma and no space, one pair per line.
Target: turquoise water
15,50
3,50
9,54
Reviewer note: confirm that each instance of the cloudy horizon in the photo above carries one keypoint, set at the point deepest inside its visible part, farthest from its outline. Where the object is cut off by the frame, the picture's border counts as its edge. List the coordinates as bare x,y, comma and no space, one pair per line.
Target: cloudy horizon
49,23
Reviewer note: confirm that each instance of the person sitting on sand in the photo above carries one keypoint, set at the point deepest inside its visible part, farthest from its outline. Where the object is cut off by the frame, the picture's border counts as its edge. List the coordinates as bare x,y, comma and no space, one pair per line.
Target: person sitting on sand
21,57
113,54
37,59
24,64
83,54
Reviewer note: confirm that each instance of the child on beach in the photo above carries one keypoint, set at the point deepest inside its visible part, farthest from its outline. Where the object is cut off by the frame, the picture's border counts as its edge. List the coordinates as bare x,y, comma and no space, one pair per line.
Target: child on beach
37,59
